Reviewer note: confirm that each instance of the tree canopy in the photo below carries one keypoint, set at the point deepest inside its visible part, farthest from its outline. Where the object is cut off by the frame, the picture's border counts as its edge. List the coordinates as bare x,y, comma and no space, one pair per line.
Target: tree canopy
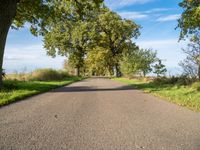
190,18
42,15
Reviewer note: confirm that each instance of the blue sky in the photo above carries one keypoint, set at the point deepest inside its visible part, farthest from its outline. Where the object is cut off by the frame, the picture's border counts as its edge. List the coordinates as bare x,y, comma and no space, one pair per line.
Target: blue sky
158,19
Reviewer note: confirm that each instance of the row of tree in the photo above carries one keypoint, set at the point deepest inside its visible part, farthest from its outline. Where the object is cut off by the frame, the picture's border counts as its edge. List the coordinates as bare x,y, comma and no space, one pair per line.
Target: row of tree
99,40
87,32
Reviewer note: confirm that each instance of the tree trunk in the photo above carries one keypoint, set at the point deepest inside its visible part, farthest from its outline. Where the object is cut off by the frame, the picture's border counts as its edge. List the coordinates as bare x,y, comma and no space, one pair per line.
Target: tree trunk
7,13
144,74
78,71
117,71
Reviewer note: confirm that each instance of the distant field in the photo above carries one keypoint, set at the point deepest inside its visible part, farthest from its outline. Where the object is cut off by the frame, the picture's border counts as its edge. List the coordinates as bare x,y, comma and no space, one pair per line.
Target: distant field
16,90
186,96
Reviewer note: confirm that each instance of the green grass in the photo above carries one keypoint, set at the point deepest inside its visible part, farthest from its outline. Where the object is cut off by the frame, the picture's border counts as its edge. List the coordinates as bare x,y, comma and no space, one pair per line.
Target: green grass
186,96
17,90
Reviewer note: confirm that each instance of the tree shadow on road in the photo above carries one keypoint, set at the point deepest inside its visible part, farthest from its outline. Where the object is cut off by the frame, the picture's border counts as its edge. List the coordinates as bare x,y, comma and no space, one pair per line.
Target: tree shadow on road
92,89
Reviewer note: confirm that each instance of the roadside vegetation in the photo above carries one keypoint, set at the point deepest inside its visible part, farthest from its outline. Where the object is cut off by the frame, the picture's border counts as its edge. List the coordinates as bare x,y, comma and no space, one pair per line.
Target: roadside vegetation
21,85
175,89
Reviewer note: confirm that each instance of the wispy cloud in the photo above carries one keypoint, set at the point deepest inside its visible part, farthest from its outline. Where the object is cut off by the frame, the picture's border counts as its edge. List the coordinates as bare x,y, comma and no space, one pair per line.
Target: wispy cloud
168,18
114,4
154,10
132,15
142,14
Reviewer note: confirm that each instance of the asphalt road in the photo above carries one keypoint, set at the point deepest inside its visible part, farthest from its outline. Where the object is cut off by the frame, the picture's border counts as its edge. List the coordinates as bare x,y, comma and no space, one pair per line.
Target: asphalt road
98,114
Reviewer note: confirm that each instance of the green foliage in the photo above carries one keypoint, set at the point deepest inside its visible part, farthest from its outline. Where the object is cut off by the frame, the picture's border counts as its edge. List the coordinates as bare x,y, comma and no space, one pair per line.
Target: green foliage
38,13
196,85
136,60
190,19
129,63
42,13
98,61
115,33
79,40
159,69
147,58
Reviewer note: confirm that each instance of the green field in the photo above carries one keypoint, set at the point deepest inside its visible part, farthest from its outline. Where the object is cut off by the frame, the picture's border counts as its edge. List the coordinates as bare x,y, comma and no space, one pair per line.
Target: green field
186,96
17,90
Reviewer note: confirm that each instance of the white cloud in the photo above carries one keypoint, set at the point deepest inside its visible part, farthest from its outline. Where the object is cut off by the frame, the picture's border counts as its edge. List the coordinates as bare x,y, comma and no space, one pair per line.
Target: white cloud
18,57
132,15
114,4
169,18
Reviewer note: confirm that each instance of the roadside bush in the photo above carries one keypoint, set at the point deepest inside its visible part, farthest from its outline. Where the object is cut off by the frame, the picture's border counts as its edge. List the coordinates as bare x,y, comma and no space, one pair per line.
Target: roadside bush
185,80
174,80
48,75
196,86
10,84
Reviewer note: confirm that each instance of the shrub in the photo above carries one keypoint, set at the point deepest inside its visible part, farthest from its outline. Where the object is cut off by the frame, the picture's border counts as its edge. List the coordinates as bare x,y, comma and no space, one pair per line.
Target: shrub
48,75
185,80
179,80
196,85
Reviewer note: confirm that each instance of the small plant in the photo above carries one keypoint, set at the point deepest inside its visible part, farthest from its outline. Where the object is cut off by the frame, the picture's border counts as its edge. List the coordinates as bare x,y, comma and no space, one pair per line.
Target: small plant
159,69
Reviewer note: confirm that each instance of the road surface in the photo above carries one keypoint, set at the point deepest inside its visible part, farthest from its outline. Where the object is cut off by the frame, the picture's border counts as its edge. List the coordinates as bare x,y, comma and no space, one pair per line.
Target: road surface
98,114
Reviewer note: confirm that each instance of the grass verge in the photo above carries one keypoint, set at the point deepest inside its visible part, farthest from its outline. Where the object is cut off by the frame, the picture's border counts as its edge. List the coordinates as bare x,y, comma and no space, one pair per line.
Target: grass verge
18,90
182,95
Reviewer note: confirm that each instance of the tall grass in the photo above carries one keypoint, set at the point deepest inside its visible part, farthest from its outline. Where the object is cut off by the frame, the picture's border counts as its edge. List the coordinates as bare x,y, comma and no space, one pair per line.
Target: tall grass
39,75
18,86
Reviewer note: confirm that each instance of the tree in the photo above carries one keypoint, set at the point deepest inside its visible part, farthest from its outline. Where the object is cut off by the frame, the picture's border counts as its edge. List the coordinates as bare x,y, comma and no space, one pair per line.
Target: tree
159,69
147,58
115,33
136,60
18,12
40,13
129,62
190,19
72,38
191,65
98,61
67,66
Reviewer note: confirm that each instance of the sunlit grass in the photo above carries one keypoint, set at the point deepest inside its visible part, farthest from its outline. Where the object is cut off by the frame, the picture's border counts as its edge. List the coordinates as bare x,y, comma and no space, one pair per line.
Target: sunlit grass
186,96
17,90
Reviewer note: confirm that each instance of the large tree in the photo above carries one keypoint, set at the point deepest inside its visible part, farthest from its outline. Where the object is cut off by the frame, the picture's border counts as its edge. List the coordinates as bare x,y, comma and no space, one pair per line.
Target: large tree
135,60
190,18
18,12
40,13
115,33
72,34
